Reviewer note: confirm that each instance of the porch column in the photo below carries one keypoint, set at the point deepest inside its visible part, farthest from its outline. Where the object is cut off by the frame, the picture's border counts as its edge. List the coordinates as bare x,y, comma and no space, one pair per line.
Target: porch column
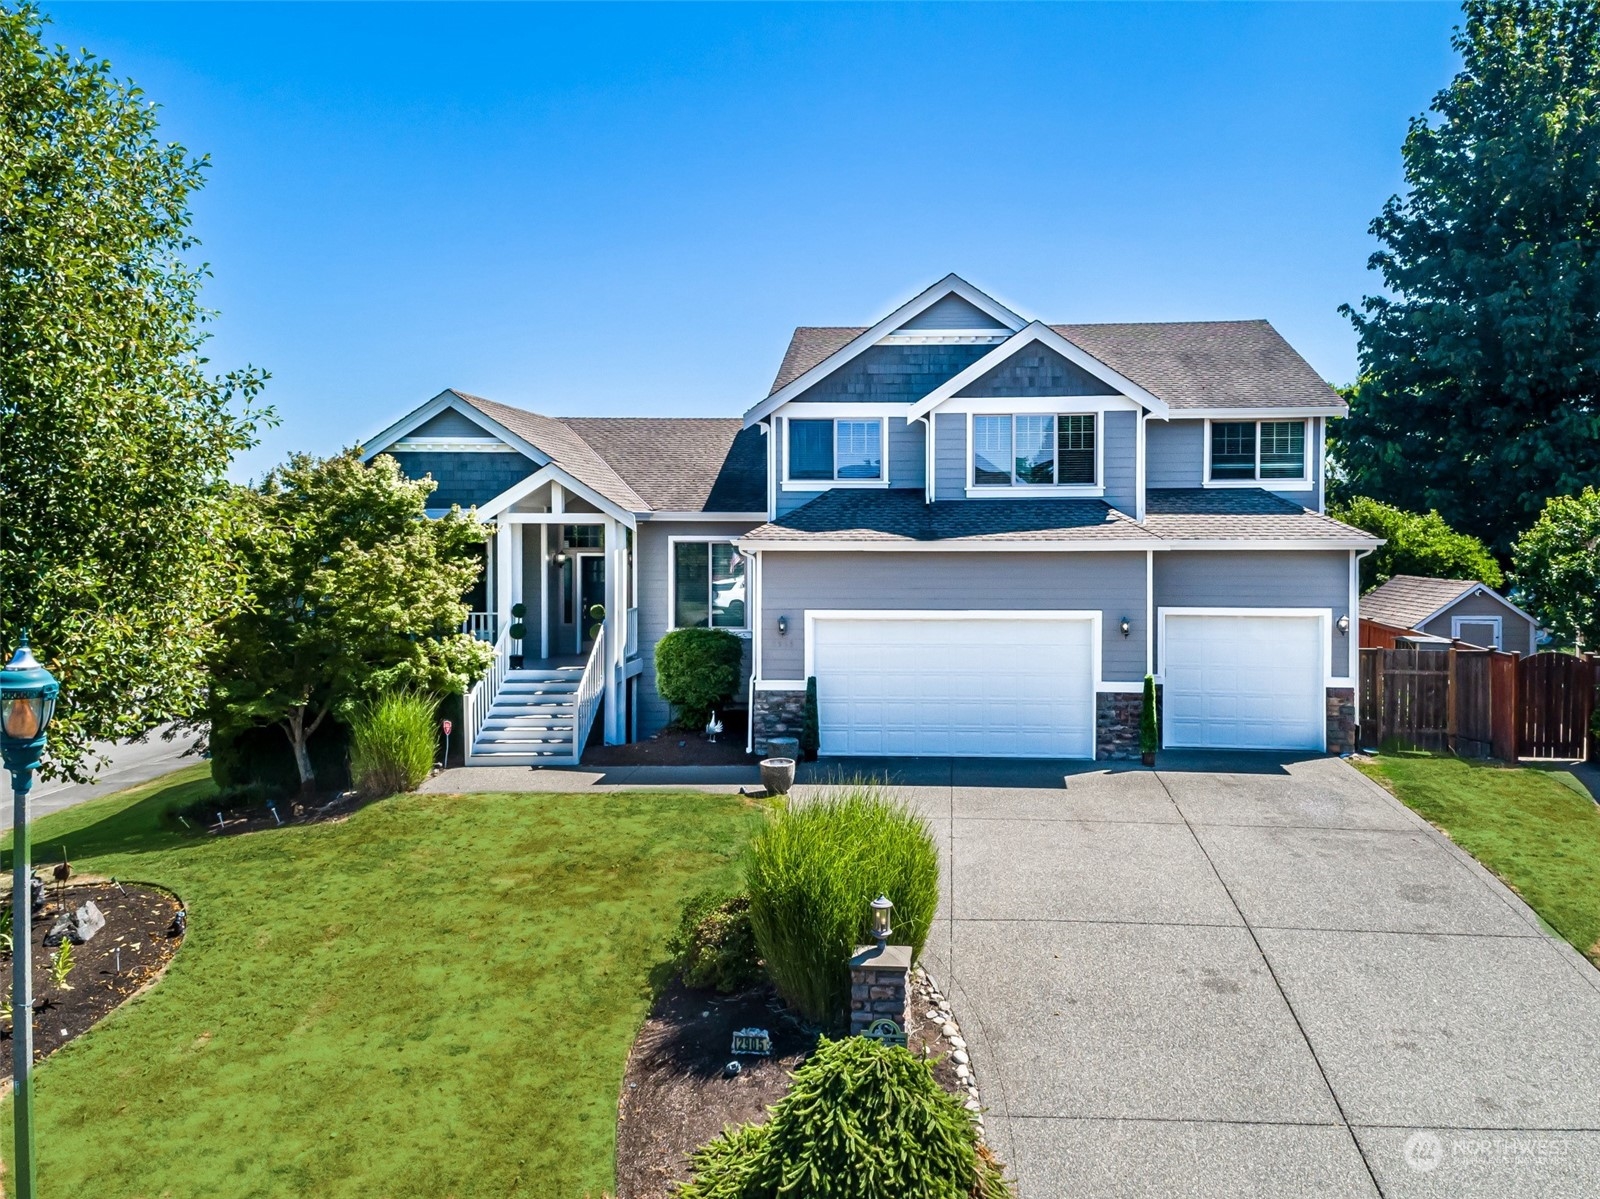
544,590
518,532
502,575
615,634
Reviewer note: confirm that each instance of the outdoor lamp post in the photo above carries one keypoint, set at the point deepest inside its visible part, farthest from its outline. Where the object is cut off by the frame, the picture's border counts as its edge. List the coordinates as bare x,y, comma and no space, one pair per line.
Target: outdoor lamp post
27,701
881,907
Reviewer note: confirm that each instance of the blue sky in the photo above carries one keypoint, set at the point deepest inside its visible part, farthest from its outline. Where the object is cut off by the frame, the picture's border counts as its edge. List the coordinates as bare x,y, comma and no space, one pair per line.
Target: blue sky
614,210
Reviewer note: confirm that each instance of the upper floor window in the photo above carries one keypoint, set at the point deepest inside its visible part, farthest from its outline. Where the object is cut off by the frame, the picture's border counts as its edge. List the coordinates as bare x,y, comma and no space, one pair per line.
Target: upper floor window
1034,450
708,585
835,449
1258,450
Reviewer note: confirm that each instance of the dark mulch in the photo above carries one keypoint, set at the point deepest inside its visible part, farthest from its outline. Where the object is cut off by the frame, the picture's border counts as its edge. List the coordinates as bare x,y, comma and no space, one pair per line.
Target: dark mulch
675,1095
314,808
679,747
132,949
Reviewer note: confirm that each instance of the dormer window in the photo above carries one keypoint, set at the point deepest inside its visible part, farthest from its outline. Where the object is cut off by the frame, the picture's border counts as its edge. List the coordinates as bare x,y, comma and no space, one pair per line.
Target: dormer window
1265,451
835,450
1029,450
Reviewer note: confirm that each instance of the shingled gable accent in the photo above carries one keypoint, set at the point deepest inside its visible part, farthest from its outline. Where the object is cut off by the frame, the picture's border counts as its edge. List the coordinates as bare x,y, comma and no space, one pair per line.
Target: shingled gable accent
865,339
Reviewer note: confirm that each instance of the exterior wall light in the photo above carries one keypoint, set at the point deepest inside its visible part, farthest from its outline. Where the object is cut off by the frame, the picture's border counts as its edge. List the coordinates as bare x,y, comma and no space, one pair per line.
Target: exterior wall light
1344,625
881,907
559,557
1125,626
783,626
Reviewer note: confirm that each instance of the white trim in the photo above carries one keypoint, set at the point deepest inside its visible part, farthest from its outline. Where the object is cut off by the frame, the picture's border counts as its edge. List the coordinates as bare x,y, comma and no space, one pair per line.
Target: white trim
1320,428
672,586
1038,331
553,473
1308,543
450,445
1138,466
1028,405
769,430
1150,612
817,409
829,484
1000,491
808,485
963,546
1257,413
451,399
645,517
1323,615
984,491
1119,688
579,619
944,337
544,591
1303,483
780,684
1499,629
1476,589
950,284
1353,635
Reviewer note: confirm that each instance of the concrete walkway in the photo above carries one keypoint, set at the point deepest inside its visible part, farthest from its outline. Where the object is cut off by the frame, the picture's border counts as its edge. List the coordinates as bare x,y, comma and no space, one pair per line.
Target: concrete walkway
1248,976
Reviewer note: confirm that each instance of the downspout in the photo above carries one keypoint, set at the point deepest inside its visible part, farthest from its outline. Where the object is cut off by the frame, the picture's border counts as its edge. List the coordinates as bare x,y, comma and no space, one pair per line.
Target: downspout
1355,629
755,650
1150,612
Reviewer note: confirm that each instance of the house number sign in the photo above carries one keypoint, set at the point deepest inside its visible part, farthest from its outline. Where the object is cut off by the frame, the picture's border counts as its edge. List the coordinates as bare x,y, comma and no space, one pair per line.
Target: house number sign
754,1041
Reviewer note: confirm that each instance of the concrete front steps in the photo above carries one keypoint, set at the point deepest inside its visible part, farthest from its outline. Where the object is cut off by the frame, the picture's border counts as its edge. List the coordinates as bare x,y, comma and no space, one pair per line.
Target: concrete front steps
532,721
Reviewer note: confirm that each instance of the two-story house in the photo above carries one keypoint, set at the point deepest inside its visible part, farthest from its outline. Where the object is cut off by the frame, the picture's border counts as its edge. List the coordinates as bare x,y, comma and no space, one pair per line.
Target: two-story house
977,532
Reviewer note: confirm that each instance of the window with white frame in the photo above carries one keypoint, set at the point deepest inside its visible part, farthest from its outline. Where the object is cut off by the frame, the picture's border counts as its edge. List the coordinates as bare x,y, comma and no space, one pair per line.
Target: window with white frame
1258,451
835,450
1034,450
708,585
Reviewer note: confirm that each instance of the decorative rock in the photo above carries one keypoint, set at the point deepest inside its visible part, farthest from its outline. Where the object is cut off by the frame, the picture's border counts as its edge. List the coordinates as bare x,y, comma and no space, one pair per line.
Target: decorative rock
972,1105
58,931
731,1069
962,1074
87,921
957,1043
959,1057
950,1029
935,1016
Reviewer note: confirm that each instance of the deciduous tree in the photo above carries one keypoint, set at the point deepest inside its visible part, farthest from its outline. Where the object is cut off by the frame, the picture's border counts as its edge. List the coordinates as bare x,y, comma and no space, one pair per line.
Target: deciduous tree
1416,544
1556,564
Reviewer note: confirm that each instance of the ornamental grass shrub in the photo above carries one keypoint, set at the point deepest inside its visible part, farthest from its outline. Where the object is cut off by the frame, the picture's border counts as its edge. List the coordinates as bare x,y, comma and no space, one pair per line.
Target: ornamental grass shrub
862,1121
813,870
392,741
714,947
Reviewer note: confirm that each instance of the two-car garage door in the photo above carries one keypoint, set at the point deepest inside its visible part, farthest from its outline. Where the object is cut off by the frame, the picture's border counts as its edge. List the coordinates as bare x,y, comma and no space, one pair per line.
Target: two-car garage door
1003,684
1243,681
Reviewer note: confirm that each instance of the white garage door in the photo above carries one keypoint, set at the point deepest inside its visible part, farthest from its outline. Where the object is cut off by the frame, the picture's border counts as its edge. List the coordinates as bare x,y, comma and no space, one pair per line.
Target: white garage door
1243,682
1002,686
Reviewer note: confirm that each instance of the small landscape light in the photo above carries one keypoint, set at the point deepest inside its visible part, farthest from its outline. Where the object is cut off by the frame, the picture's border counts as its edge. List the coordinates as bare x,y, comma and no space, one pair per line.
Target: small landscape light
881,907
1125,626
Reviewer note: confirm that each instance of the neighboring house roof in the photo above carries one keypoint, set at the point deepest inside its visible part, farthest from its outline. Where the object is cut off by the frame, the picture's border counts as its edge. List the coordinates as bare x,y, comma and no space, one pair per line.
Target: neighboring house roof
902,516
1186,364
1241,514
682,464
1410,601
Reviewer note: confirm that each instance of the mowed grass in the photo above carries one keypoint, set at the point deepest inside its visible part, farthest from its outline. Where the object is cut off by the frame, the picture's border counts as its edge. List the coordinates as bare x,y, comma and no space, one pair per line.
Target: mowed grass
1535,828
433,998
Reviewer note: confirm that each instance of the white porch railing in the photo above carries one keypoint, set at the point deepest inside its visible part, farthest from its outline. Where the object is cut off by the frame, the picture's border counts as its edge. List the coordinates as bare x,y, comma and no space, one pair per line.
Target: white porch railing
475,707
481,625
633,632
590,692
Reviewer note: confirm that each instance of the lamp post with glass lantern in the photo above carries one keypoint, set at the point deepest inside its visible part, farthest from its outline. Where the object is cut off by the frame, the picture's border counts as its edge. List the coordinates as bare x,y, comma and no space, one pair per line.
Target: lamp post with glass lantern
27,701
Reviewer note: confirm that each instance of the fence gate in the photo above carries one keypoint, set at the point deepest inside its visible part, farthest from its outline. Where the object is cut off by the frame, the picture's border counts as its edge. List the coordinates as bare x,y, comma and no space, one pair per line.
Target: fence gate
1406,695
1555,700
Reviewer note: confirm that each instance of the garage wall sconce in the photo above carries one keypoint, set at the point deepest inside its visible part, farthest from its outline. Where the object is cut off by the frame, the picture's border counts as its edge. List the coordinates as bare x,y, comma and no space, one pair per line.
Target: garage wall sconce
1125,626
1344,625
783,626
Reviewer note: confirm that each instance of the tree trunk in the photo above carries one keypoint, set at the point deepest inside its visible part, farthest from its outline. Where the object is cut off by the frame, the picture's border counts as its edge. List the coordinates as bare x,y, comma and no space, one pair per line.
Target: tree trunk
299,735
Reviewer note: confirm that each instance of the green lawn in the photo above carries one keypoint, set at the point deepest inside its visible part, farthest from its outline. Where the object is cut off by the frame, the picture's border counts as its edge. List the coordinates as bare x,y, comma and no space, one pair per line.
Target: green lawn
1535,828
434,998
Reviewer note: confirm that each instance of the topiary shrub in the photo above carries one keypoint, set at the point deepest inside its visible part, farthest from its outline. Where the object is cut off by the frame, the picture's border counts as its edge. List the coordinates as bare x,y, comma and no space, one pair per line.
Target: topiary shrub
862,1121
392,743
714,947
1149,731
810,729
813,871
697,671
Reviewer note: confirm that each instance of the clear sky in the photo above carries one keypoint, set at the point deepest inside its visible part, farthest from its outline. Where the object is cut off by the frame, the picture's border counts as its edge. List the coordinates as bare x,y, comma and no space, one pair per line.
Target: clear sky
618,210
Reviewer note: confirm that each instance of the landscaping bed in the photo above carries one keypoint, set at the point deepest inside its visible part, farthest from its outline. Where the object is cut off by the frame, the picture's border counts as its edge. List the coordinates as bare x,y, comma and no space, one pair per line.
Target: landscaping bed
680,747
131,951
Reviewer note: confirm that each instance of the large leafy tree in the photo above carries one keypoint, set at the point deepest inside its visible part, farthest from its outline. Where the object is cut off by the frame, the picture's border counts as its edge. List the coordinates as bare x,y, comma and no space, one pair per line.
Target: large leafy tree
1416,544
1480,386
114,435
354,590
1556,564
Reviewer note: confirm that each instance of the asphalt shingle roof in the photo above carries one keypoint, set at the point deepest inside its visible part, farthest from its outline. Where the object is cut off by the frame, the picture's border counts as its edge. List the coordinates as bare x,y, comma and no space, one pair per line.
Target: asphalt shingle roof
682,464
1186,364
1238,513
1405,601
900,515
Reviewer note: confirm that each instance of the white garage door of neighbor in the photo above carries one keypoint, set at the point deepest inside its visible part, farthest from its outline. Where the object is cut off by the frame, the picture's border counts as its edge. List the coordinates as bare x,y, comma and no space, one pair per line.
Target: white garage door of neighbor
992,687
1243,682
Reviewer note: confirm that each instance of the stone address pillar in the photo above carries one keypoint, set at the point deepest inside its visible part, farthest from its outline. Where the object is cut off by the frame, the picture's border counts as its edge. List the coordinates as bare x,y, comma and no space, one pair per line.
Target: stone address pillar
878,980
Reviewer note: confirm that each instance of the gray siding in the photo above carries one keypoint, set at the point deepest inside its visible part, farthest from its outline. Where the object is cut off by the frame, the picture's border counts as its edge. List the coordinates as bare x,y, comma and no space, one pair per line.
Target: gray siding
450,423
1517,632
1260,579
1175,456
952,312
1121,464
792,583
1037,370
651,546
907,462
950,456
901,374
466,478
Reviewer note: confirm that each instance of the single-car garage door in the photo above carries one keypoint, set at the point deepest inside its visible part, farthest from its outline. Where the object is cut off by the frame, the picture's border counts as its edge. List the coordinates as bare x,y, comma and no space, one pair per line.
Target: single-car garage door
1243,682
1000,684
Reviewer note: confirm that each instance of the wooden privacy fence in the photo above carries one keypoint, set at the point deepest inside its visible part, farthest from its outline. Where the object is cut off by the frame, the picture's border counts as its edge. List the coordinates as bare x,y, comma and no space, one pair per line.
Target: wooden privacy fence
1478,703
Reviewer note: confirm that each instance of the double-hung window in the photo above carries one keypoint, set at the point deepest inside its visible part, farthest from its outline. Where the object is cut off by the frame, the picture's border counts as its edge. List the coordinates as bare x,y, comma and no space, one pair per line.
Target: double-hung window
836,450
708,585
1034,451
1258,451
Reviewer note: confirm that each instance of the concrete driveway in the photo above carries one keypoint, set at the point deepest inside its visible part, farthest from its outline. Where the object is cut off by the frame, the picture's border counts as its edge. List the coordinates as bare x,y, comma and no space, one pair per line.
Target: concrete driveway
1250,976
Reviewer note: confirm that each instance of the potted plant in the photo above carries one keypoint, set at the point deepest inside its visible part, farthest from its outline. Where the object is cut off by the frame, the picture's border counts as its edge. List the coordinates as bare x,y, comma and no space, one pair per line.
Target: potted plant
1149,733
518,631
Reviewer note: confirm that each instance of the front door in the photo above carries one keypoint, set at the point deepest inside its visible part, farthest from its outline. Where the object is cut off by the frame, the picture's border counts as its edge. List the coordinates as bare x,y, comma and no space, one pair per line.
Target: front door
589,585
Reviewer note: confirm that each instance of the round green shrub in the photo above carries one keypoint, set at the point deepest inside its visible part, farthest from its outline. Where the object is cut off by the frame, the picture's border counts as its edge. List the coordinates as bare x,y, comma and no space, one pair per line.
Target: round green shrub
517,631
862,1121
714,947
697,671
812,873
